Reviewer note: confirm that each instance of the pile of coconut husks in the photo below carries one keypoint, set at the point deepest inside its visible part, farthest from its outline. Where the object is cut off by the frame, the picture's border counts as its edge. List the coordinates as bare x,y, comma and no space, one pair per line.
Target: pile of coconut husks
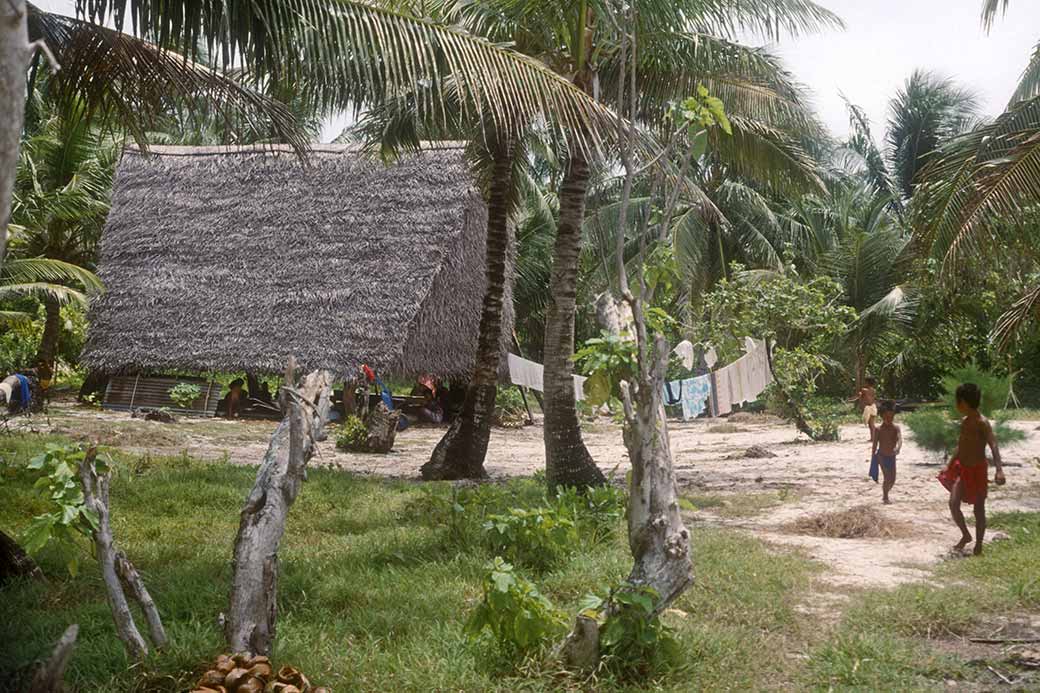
242,673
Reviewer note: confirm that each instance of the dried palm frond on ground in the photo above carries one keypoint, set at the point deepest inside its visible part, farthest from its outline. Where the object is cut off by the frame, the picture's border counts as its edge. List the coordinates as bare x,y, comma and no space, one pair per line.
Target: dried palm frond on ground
860,522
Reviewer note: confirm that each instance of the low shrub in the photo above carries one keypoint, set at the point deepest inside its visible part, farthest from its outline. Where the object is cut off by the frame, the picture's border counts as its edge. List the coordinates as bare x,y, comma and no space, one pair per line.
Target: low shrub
518,616
183,394
537,538
596,512
633,641
352,434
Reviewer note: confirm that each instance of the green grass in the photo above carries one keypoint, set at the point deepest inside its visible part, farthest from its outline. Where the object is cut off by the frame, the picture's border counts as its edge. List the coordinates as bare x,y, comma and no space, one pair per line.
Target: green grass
884,641
376,583
737,505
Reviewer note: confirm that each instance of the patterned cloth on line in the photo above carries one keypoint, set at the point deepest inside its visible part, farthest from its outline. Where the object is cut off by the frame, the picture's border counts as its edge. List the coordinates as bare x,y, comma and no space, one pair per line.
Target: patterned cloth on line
695,395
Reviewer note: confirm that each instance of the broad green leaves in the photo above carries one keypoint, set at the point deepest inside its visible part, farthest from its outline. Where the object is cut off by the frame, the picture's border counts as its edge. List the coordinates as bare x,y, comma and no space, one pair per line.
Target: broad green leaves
67,515
518,616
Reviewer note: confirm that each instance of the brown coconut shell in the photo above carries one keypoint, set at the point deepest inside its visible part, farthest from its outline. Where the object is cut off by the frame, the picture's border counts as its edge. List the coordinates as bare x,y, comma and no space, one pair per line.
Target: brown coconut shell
261,670
242,659
281,687
224,664
235,677
251,685
211,679
292,675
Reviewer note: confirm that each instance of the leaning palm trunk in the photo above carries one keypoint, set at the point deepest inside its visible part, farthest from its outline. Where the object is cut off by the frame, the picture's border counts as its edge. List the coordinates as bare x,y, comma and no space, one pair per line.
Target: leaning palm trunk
14,59
567,460
460,453
47,352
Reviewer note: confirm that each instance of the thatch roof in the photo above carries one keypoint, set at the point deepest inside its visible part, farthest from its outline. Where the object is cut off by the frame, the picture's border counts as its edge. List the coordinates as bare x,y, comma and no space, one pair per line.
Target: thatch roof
228,259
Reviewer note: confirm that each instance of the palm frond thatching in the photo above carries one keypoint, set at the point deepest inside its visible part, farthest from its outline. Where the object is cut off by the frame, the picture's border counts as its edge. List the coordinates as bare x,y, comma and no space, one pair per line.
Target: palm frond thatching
236,259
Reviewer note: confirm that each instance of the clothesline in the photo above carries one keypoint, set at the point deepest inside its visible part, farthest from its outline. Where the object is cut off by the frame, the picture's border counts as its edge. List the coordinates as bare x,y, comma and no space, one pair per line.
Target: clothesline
530,374
719,391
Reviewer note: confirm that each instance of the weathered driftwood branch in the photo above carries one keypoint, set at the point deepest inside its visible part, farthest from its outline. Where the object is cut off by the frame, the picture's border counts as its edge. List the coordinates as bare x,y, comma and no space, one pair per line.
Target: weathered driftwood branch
50,677
132,581
250,623
117,571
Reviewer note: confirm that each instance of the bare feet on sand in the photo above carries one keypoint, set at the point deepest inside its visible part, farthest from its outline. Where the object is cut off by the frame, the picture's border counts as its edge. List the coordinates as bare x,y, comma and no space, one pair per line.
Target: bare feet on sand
978,548
965,540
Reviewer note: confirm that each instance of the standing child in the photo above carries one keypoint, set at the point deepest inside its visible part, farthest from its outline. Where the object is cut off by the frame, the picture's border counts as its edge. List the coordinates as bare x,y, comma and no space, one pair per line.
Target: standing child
867,398
968,471
888,441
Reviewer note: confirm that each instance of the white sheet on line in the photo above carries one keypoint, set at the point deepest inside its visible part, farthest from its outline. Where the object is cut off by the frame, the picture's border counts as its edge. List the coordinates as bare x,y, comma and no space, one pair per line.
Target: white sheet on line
530,374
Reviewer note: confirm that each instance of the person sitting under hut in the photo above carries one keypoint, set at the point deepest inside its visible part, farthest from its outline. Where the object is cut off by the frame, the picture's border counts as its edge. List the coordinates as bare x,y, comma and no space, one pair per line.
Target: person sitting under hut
235,400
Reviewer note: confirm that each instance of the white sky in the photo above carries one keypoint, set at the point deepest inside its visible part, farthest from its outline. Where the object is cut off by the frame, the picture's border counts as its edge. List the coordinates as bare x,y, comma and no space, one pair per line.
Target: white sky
884,41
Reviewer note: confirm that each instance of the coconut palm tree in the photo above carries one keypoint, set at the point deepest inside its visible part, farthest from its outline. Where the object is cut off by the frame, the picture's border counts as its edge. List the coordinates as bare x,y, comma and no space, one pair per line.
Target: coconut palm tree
991,173
680,45
61,200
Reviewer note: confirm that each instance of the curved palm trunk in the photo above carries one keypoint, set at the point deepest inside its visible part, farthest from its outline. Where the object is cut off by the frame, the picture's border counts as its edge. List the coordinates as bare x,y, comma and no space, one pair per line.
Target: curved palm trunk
460,453
14,59
48,349
567,461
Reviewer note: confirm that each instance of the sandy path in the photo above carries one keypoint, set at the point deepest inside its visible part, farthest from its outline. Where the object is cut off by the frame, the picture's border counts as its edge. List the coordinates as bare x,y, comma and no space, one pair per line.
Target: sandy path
803,479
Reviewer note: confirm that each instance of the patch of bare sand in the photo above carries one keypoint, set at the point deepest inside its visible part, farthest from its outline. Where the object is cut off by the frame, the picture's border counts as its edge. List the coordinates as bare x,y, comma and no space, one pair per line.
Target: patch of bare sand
809,478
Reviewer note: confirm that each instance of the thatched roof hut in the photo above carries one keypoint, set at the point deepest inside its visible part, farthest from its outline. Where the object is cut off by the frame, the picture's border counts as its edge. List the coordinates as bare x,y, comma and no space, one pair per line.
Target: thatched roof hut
229,259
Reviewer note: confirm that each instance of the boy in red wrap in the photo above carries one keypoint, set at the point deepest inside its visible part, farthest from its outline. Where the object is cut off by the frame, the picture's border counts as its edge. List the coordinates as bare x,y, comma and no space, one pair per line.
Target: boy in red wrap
969,469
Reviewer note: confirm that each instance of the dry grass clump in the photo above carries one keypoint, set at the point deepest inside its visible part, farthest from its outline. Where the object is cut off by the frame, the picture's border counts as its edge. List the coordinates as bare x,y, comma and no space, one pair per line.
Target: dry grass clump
860,522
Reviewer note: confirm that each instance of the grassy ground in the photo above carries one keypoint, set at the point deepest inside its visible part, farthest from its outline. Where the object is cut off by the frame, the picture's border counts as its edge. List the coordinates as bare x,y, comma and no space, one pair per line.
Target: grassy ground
375,587
378,578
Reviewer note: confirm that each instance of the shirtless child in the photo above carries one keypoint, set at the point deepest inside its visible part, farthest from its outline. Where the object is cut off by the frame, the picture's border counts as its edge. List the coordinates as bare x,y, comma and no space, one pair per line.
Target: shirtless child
970,467
867,398
888,441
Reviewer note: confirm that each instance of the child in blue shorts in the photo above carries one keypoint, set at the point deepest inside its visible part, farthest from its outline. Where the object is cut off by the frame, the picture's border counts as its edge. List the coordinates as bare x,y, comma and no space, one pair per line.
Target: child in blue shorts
888,441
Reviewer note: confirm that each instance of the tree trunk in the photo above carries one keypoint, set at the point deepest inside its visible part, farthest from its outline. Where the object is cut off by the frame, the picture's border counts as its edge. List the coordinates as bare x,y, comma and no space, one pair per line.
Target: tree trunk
95,497
14,58
48,349
382,429
250,625
50,677
567,461
460,453
14,562
659,541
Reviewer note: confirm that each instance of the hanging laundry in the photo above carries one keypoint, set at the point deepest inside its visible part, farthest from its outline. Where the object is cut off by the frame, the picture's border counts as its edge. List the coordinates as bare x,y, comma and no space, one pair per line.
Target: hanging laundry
672,393
723,391
695,395
710,357
684,350
532,375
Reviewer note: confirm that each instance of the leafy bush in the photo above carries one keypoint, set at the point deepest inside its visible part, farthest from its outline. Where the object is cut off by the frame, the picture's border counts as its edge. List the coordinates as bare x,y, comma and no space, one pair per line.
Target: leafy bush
519,617
607,360
938,431
596,512
183,394
352,434
509,407
538,538
67,515
632,638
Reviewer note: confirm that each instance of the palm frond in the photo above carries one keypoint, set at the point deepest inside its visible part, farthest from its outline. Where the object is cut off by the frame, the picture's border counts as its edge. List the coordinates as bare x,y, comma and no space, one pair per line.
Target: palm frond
924,113
129,81
351,52
990,173
1023,311
990,10
43,271
1029,82
768,155
61,294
